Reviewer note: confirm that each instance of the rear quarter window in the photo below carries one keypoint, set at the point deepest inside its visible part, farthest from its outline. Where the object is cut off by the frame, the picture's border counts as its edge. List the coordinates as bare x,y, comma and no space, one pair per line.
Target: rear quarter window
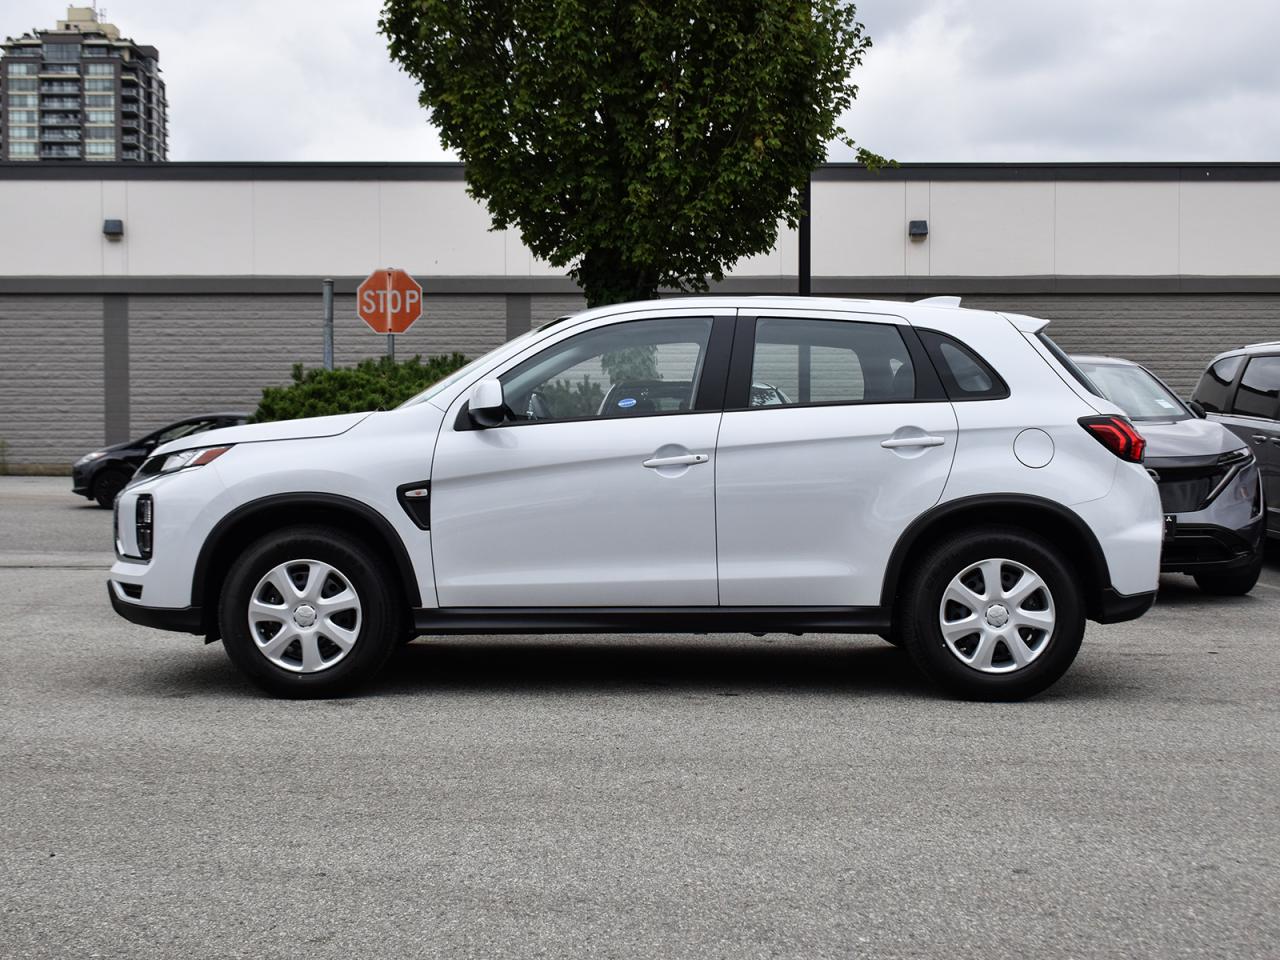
965,375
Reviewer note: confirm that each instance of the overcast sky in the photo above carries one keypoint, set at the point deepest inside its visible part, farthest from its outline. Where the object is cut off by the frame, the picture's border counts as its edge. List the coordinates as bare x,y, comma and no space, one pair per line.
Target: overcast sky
953,80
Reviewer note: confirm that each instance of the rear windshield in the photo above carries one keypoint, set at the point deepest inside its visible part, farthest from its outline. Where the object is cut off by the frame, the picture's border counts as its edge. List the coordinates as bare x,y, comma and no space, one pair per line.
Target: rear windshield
1068,364
1135,391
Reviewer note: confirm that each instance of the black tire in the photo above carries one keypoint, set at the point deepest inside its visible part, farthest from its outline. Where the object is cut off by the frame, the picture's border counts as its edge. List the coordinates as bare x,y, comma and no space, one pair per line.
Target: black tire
1231,583
919,609
107,486
380,627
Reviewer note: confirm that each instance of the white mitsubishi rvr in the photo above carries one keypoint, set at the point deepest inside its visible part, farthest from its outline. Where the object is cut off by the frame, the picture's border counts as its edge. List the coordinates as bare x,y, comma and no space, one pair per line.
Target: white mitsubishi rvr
943,477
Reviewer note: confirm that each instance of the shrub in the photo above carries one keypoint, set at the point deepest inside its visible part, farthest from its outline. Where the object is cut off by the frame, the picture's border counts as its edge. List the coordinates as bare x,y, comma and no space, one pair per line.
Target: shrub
370,385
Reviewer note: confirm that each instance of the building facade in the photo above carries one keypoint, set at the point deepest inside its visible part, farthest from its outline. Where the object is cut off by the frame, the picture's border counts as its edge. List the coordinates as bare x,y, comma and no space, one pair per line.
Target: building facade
213,290
81,92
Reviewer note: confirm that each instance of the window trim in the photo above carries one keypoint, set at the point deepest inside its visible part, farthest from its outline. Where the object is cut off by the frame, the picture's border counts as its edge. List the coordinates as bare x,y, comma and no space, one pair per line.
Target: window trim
738,388
711,382
933,340
1239,382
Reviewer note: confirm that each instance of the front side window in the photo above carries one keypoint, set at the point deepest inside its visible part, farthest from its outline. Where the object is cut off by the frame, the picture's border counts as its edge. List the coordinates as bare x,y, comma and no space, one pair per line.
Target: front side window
1259,393
631,369
829,361
1211,391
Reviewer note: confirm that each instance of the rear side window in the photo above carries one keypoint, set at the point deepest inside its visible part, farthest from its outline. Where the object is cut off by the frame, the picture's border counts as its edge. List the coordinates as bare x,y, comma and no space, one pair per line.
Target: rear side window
829,361
965,375
1259,393
1211,392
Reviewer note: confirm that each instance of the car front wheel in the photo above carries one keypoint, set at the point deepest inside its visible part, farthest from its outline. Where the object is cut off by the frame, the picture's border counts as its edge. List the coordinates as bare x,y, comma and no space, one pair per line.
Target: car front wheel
308,612
993,615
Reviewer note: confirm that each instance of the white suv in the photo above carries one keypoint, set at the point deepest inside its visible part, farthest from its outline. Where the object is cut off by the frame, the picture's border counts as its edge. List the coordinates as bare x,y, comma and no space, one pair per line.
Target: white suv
942,477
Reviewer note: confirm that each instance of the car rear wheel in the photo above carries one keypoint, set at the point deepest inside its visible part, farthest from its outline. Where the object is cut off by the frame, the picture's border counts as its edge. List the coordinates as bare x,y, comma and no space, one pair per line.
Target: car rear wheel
308,612
993,615
1232,583
108,486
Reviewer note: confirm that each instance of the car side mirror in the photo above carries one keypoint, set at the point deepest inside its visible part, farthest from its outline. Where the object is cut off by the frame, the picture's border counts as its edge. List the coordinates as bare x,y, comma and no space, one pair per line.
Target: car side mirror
1195,408
485,403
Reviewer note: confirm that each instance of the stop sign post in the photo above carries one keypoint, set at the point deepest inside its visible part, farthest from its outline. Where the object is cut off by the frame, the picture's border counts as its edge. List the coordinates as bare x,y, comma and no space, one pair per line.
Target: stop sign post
389,301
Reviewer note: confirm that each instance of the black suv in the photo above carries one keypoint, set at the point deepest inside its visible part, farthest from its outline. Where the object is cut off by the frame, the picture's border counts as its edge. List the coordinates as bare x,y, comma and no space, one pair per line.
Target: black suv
1241,389
102,474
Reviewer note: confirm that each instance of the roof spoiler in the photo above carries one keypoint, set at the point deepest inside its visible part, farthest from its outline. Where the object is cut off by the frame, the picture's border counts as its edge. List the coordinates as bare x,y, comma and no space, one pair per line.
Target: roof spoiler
1026,324
950,302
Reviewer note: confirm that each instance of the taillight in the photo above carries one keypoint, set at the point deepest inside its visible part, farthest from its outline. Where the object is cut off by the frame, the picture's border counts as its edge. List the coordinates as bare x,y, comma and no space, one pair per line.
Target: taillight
1118,435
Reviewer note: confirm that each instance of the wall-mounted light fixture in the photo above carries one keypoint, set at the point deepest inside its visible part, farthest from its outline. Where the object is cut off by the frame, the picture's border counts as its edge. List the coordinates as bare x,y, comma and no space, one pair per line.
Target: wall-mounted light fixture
918,229
113,229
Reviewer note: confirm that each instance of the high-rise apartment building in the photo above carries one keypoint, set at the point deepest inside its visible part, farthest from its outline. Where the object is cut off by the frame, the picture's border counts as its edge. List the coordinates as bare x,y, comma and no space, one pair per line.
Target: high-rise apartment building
81,92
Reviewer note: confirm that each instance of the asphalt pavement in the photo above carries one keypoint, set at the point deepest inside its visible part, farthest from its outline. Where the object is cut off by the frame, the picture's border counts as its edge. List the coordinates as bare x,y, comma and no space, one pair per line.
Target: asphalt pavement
625,796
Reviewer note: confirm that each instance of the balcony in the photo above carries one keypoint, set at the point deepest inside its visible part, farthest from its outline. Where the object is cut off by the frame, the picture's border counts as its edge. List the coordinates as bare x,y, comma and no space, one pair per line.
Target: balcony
66,135
60,120
60,153
131,155
59,70
60,86
60,103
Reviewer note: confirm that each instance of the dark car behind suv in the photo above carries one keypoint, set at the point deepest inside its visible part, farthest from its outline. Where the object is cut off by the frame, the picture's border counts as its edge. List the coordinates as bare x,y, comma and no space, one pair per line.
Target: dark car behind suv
1241,389
102,474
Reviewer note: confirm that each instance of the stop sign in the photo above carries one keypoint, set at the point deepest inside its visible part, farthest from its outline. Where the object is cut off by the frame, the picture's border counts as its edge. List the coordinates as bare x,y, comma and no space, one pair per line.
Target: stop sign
389,301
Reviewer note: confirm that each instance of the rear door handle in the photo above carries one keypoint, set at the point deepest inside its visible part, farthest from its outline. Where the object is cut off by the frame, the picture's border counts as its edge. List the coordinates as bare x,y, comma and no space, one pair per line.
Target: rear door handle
893,443
680,461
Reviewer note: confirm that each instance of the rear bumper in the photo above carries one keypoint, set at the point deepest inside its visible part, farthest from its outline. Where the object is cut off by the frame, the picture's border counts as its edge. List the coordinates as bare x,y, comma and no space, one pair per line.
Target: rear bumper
179,619
1117,607
1202,546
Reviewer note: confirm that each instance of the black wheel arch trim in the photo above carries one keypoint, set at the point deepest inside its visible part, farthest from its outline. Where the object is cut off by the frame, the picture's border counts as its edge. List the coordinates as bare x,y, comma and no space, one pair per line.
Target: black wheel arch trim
399,555
940,513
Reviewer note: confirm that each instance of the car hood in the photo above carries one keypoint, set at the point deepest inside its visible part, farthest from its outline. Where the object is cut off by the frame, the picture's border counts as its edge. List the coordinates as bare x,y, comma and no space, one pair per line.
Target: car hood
305,429
1186,438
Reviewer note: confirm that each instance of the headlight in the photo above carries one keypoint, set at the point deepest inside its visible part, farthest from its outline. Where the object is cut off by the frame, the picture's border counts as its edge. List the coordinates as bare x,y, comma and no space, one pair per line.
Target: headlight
182,460
90,457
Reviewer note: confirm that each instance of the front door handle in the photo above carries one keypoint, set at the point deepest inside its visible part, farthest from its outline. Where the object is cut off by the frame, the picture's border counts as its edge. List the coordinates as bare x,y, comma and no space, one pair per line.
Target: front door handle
1259,438
893,443
681,461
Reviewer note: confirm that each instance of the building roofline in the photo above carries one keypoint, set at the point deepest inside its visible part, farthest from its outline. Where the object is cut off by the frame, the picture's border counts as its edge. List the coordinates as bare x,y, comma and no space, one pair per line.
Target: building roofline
991,172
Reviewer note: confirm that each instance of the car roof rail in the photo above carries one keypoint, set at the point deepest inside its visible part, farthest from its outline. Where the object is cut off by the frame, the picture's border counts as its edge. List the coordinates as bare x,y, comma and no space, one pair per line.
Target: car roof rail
1264,343
951,302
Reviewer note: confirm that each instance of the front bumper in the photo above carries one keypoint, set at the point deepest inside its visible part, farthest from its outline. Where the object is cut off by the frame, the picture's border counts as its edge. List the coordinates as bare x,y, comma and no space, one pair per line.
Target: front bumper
1198,547
180,619
1115,607
82,482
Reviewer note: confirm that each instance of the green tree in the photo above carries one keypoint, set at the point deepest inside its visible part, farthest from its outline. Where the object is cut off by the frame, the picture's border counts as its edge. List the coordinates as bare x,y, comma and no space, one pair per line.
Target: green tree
640,144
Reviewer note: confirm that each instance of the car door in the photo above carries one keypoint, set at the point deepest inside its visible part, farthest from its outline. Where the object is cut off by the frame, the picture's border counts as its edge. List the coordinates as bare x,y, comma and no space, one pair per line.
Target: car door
575,502
836,435
1254,416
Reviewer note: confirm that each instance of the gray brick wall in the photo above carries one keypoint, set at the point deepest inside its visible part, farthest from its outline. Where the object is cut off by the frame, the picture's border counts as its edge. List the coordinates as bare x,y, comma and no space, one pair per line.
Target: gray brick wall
190,354
51,409
195,354
1173,335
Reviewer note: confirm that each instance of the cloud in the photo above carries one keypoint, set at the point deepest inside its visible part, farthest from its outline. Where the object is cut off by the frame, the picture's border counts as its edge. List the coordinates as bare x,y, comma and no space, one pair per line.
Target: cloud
947,80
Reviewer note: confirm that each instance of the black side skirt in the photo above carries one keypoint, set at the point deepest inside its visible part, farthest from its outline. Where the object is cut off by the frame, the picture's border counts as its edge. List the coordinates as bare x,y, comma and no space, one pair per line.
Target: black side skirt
537,620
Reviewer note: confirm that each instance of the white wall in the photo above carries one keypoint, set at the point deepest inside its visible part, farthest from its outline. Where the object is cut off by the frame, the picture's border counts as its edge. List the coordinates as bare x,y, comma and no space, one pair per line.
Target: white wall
346,228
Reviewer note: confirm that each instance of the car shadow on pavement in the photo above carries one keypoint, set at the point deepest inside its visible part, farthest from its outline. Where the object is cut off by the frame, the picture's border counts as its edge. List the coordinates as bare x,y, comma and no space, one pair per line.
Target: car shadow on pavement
591,665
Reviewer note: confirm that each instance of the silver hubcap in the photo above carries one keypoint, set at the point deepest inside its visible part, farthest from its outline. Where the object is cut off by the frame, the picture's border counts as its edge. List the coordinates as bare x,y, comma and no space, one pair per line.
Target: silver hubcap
997,616
304,616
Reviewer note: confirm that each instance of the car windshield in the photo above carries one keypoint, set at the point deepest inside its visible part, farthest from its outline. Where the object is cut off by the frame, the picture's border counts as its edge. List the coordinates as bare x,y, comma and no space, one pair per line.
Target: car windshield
1134,390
